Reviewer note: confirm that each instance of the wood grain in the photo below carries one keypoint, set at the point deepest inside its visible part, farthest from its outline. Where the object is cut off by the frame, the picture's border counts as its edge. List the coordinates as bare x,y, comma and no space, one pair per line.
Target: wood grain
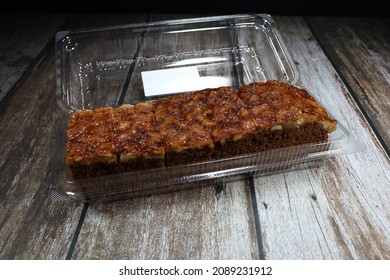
196,224
203,223
337,211
360,48
32,227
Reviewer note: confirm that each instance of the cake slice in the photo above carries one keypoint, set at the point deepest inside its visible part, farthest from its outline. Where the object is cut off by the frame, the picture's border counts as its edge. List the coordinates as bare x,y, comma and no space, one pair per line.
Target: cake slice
230,124
90,147
137,139
285,115
184,129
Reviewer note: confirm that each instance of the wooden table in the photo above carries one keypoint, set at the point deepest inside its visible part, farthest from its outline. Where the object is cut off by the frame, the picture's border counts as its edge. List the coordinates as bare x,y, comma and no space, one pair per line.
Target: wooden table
339,210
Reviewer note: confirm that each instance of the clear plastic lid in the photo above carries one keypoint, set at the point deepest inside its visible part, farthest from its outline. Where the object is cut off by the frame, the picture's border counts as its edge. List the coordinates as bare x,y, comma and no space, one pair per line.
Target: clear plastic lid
138,62
133,63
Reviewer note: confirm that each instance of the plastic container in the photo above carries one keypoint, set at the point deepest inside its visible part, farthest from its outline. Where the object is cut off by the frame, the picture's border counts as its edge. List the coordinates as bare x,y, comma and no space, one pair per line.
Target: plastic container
132,63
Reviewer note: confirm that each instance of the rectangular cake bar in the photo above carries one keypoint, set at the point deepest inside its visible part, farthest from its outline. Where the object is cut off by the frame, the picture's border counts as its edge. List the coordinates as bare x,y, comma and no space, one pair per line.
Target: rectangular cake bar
285,115
183,127
193,127
137,140
90,149
231,127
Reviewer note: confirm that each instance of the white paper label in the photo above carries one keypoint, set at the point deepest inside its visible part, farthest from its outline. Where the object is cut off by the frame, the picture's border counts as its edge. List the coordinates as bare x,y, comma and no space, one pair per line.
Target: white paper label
183,79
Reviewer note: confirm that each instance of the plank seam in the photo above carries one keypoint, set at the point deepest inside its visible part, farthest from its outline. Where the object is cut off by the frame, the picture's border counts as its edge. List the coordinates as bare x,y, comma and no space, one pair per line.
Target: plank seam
256,217
77,231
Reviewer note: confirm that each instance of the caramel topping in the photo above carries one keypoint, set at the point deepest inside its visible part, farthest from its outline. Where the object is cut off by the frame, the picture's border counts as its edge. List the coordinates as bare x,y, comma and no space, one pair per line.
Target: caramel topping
182,122
135,131
188,121
275,103
230,118
90,137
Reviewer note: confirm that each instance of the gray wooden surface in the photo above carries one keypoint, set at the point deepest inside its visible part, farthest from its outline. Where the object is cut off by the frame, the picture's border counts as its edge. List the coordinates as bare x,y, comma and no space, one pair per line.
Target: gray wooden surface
359,47
337,211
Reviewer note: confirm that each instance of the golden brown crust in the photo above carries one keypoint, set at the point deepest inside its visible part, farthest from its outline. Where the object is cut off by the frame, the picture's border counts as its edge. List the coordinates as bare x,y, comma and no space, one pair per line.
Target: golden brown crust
230,118
275,104
135,132
90,137
182,123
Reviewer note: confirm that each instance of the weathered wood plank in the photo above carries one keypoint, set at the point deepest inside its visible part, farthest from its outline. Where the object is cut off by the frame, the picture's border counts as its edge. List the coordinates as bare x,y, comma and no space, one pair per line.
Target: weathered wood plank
202,223
360,48
22,37
31,226
338,211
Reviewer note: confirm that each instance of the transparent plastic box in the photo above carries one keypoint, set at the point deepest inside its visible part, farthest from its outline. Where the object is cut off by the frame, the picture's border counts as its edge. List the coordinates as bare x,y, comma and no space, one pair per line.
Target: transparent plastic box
127,64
